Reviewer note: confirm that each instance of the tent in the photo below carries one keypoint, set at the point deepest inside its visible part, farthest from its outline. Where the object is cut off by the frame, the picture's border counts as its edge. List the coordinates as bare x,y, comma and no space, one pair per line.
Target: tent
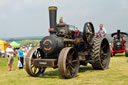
3,45
15,44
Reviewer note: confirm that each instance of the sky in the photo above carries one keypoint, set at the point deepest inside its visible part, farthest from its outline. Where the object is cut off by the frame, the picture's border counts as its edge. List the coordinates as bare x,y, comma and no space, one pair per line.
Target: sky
23,18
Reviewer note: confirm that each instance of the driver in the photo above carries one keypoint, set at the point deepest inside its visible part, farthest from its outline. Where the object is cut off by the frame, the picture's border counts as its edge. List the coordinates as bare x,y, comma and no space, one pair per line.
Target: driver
102,31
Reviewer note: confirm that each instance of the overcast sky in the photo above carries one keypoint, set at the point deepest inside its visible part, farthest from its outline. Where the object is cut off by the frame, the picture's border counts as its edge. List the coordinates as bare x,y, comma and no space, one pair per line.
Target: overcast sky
20,18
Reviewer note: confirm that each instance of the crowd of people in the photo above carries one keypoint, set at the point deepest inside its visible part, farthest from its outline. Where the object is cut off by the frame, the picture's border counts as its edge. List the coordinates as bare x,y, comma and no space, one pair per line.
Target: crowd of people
20,53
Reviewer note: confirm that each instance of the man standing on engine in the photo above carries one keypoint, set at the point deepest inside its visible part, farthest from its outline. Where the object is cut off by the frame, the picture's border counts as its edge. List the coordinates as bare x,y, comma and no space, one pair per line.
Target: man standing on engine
102,31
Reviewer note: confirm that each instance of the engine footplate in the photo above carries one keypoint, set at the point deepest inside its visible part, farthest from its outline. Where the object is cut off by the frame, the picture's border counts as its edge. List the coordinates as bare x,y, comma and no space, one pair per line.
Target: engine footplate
44,62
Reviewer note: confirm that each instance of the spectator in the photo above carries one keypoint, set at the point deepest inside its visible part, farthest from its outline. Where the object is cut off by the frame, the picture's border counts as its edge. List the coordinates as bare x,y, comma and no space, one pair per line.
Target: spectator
30,46
27,48
21,57
23,48
3,53
24,54
10,56
102,31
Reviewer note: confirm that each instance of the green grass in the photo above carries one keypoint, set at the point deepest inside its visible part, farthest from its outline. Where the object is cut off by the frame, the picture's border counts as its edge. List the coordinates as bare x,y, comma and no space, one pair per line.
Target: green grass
117,74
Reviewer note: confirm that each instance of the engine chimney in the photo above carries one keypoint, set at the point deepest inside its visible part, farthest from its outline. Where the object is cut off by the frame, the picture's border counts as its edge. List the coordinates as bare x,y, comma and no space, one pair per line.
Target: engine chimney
118,34
52,17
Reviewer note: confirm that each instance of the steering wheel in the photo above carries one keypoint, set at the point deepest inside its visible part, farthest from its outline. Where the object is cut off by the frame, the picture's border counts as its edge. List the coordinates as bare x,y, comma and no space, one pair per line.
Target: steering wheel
88,33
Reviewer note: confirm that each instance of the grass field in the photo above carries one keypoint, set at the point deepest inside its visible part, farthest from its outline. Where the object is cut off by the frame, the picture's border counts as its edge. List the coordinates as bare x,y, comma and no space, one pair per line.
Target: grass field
117,74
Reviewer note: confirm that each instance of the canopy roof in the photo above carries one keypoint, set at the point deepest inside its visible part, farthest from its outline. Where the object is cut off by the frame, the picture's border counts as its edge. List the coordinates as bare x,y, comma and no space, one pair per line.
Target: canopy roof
116,33
3,45
2,41
15,44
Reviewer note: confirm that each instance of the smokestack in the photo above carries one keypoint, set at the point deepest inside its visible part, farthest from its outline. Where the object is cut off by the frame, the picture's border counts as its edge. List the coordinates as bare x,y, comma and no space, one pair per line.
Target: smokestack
118,34
52,17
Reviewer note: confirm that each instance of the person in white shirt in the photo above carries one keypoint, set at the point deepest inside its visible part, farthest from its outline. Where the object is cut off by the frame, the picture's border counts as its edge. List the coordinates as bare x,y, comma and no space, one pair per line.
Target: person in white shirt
3,53
10,55
24,53
27,48
30,46
102,31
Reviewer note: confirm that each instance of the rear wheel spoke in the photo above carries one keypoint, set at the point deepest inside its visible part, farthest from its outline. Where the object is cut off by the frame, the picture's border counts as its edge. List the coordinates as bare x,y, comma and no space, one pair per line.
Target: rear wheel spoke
103,47
72,53
72,68
68,70
69,58
104,62
74,61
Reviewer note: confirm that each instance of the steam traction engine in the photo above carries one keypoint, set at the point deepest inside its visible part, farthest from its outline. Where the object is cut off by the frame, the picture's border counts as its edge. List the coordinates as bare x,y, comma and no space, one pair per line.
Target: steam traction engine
67,49
119,44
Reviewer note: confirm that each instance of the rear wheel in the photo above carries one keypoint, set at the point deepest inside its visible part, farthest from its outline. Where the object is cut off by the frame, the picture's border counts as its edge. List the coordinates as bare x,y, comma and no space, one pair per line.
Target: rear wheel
126,51
33,53
68,62
100,53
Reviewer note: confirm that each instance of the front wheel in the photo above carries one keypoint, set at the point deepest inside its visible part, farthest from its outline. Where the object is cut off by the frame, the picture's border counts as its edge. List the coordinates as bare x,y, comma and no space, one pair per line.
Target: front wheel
68,62
32,70
126,51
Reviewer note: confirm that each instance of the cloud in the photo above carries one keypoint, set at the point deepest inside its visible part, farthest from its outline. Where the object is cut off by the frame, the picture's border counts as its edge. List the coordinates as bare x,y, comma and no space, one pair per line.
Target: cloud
19,5
3,3
28,2
3,16
124,4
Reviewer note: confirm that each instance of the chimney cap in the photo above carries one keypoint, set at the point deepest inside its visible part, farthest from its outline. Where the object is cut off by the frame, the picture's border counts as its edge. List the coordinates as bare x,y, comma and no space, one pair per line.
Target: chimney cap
52,8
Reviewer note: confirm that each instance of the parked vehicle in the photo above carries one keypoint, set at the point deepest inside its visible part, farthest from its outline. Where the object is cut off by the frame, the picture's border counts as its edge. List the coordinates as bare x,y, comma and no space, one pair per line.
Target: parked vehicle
118,45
